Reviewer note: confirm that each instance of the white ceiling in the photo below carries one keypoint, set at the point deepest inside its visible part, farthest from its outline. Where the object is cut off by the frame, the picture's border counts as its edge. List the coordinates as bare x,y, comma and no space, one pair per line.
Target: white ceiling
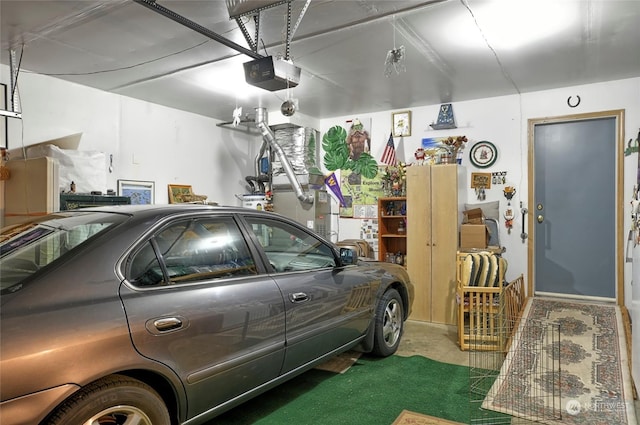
453,52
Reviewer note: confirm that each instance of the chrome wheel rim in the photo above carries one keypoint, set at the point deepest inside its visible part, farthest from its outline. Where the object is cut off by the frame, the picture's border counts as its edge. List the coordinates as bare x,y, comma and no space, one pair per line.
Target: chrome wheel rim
120,415
392,323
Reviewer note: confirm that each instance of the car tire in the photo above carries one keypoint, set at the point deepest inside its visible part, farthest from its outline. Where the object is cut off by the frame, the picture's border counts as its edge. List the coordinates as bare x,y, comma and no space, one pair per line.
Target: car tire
112,401
389,324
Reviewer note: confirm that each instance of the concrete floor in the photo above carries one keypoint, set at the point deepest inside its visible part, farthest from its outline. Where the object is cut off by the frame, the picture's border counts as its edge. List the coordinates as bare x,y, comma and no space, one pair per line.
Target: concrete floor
435,341
439,342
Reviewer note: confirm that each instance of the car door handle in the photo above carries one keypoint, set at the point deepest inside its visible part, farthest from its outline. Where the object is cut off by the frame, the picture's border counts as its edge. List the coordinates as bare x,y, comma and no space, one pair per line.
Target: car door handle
167,324
298,297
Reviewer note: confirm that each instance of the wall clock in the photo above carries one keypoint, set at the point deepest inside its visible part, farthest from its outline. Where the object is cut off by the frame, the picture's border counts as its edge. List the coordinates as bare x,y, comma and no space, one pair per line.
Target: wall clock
483,154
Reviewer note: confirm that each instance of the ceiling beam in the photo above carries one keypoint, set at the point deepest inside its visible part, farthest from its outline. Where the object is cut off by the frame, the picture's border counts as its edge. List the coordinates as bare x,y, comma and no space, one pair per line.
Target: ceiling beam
153,5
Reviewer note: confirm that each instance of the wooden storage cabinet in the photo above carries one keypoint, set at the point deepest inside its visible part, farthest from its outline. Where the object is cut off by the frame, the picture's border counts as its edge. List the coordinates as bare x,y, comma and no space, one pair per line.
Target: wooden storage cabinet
392,225
432,240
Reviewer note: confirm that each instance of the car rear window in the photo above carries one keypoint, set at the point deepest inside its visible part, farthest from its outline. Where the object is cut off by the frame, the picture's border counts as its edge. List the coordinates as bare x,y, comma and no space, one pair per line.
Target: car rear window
27,248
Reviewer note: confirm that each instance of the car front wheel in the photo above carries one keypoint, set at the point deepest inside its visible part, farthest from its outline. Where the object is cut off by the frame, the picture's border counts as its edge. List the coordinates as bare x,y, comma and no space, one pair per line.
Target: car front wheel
115,400
389,324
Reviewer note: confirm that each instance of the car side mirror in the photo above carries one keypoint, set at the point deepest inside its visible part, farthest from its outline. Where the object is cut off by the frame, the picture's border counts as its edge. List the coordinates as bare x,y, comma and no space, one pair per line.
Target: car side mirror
348,256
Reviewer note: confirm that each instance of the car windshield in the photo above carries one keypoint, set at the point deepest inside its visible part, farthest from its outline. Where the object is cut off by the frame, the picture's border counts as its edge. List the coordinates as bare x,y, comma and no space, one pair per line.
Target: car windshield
26,248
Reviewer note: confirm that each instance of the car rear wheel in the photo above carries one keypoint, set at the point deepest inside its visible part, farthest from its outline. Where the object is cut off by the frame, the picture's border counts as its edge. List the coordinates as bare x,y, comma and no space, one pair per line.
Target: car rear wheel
389,324
115,400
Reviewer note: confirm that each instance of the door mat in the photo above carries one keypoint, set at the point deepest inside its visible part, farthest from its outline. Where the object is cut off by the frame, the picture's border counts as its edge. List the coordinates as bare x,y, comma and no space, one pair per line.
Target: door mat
340,363
412,418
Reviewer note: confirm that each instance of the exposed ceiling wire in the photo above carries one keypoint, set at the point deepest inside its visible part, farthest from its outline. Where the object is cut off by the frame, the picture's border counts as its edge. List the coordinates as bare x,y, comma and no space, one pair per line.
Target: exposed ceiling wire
504,71
51,74
83,15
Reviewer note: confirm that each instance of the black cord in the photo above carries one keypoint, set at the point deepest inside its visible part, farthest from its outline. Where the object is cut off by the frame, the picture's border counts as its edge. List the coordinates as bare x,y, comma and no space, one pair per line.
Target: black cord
124,67
15,81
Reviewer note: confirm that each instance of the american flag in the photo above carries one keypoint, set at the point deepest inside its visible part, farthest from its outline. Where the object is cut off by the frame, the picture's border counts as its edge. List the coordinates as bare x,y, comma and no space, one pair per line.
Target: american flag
389,154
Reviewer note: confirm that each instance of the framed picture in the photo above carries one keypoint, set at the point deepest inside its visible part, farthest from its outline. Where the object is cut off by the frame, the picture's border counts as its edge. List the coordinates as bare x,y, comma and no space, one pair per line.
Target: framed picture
4,130
401,123
480,180
141,192
178,193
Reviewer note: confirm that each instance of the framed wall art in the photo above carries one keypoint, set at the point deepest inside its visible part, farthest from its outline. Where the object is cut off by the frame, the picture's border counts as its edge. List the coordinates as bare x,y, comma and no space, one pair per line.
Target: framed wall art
401,123
139,191
480,180
179,193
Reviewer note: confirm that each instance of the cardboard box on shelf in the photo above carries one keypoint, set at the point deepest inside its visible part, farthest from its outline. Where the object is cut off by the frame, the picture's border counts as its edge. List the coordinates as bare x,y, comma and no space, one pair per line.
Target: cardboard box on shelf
473,216
474,236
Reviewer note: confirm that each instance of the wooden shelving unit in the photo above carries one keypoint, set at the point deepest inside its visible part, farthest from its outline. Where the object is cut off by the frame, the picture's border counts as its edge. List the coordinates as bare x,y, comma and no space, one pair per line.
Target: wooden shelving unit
392,226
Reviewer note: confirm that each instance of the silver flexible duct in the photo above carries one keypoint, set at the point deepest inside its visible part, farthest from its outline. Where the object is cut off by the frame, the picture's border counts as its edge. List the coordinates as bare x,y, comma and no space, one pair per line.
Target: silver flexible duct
263,149
269,137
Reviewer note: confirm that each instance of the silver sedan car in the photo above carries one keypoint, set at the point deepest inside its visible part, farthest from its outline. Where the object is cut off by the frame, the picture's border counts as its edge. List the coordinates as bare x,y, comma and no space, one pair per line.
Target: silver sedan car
173,314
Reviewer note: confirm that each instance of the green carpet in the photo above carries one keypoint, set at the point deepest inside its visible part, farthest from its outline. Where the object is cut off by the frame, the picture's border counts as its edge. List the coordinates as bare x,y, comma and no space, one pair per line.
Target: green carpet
372,392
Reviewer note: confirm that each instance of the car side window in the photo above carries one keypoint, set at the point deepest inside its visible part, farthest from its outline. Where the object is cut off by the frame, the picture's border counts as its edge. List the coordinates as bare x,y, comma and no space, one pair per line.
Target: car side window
289,248
193,250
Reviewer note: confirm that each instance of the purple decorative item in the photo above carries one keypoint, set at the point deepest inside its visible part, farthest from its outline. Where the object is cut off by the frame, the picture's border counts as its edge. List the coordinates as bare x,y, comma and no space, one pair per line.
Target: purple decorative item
332,182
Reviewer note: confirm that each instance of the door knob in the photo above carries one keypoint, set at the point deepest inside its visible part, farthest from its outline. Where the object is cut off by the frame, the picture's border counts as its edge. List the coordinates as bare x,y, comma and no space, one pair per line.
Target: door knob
540,218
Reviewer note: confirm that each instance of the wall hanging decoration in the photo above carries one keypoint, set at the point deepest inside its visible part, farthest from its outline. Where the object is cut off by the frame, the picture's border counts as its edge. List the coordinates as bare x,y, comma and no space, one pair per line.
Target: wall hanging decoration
349,151
632,146
446,119
179,193
332,183
483,154
509,192
401,123
140,192
573,104
499,177
480,182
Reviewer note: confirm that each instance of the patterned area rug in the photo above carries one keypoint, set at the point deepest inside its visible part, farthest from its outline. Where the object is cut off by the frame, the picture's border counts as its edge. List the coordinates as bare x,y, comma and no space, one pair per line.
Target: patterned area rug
579,375
412,418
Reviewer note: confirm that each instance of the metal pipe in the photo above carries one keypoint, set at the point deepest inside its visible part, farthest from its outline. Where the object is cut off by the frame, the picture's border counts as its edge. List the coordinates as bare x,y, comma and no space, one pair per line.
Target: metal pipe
268,136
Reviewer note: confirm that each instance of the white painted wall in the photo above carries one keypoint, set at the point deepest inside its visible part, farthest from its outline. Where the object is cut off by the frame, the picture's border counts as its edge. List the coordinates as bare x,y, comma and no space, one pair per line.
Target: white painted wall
168,146
503,121
147,141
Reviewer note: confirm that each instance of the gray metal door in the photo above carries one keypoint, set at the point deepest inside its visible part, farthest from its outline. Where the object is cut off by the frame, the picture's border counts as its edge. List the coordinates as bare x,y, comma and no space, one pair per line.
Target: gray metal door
574,210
